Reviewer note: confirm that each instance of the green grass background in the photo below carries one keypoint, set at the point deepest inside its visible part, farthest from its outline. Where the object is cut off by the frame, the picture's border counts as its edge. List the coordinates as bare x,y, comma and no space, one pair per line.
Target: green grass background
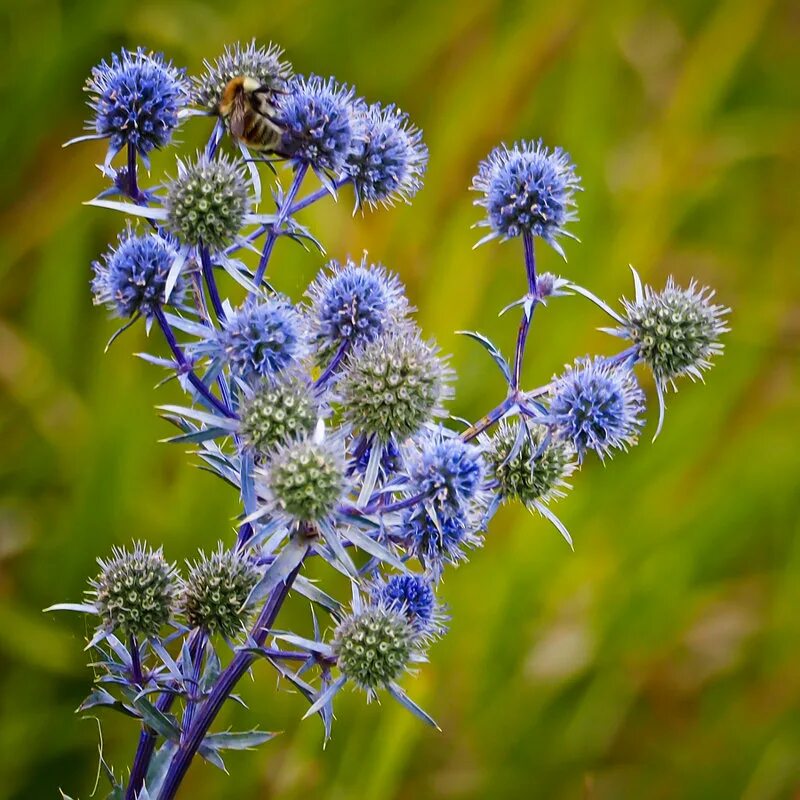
661,659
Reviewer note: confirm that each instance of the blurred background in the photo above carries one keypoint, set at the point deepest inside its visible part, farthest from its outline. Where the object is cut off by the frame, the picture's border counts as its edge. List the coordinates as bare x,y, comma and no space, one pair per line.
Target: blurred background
658,660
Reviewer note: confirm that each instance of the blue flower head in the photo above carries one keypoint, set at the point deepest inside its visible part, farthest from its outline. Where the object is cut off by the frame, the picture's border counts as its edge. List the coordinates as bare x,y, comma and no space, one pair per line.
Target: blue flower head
263,63
131,277
413,596
596,405
317,120
388,156
440,540
136,100
447,471
527,189
260,340
352,303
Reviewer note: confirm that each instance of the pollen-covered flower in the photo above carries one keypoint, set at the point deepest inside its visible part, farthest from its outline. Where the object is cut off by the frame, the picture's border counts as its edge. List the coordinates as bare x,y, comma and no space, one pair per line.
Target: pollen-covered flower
276,411
392,386
374,647
207,202
263,63
131,277
136,99
596,405
441,539
135,591
528,464
352,303
676,330
258,340
215,590
446,471
305,478
316,116
388,156
413,596
527,189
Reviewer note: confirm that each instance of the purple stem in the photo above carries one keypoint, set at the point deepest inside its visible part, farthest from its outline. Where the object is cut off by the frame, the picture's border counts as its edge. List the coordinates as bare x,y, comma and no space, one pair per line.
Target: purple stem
148,738
274,231
224,686
197,664
525,324
133,186
314,196
331,368
136,662
186,368
211,283
493,416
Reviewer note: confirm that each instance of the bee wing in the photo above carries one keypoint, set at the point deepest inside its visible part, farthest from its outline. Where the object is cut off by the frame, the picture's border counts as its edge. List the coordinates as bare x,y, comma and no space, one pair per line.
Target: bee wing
236,121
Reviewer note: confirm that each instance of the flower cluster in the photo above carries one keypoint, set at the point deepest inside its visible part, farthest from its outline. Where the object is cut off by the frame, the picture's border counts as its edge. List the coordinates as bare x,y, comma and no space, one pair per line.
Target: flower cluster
327,415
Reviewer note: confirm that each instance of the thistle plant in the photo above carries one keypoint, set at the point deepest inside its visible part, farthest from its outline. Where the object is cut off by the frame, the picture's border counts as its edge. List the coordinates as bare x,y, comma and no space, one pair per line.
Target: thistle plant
326,414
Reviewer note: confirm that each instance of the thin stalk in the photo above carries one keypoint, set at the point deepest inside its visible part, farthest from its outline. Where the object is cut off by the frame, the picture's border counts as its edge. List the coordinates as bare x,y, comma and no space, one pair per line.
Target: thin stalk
493,416
136,662
525,323
314,196
148,738
186,367
283,213
197,665
211,283
224,686
331,368
133,186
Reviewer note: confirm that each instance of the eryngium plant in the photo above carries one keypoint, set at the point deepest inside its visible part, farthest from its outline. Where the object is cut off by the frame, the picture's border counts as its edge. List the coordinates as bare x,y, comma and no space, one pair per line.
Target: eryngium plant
326,414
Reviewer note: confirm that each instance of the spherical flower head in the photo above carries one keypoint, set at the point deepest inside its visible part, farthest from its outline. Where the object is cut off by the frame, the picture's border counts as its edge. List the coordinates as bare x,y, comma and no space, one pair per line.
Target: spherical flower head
392,386
277,410
530,466
207,202
441,539
527,189
388,157
261,339
136,99
596,405
447,471
132,276
214,593
316,116
411,595
352,303
676,330
135,591
373,647
305,478
262,63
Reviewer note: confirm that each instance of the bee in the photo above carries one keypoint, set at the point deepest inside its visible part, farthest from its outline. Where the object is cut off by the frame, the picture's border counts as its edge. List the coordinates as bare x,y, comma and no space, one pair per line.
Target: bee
246,106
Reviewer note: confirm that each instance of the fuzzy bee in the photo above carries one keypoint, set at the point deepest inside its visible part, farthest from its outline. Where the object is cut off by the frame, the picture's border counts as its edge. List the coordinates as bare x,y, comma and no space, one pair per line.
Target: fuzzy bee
246,106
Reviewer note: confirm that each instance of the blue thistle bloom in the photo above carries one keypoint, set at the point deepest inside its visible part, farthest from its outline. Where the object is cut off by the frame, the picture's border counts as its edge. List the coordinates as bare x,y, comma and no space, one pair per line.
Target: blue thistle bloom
596,405
136,101
440,540
352,303
262,63
527,189
131,277
317,119
447,471
413,596
258,340
388,156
